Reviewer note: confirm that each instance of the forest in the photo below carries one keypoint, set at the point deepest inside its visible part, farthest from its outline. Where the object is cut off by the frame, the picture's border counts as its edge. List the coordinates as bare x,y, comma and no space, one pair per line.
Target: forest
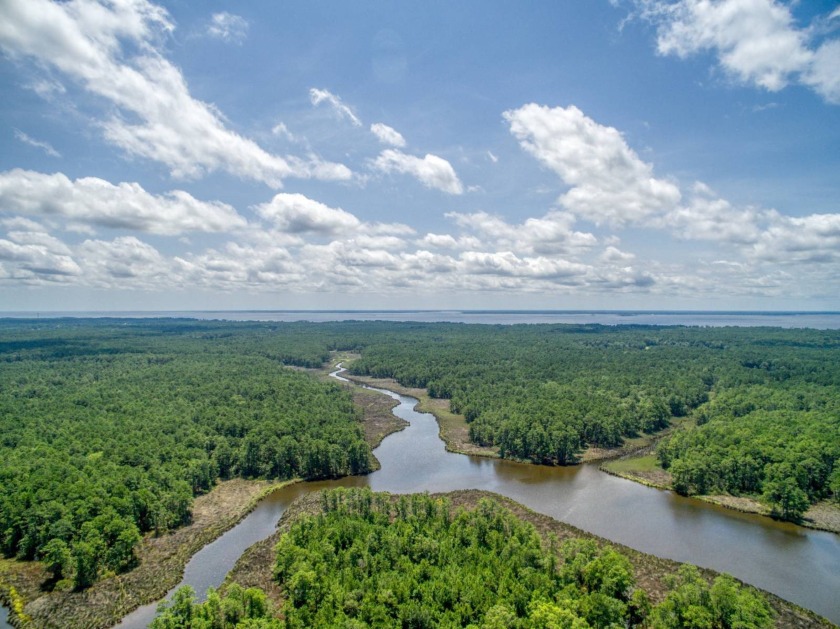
763,404
108,431
110,427
371,560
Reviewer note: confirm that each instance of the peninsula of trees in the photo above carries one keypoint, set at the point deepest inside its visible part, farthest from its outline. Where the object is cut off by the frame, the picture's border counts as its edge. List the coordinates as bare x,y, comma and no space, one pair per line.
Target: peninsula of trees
371,560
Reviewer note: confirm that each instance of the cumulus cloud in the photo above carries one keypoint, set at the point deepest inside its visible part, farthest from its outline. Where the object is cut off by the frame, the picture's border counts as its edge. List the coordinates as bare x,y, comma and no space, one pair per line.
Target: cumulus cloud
317,97
551,234
706,216
94,201
387,135
615,255
813,239
296,214
38,144
228,27
157,118
755,41
447,241
610,184
31,255
608,181
506,263
124,260
432,171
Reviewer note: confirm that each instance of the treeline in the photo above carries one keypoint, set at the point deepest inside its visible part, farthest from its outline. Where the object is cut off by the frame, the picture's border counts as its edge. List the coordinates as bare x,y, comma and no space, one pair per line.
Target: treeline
544,393
766,401
776,441
108,431
370,561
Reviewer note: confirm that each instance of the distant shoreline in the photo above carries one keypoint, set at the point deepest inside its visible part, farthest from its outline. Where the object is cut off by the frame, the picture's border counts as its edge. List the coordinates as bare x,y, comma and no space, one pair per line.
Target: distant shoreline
817,320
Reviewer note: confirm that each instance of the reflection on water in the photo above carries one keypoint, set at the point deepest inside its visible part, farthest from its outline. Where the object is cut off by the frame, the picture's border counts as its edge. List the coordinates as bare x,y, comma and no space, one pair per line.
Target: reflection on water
799,565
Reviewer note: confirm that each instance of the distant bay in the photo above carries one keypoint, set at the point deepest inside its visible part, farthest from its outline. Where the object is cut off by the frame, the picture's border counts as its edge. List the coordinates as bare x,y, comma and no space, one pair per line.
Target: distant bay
788,319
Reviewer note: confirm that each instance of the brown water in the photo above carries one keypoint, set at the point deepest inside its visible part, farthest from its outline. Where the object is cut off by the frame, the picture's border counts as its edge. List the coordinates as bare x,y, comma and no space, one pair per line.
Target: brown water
797,564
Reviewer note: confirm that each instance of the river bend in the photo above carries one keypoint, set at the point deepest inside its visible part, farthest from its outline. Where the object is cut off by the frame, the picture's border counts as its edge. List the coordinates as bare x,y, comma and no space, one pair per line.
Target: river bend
797,564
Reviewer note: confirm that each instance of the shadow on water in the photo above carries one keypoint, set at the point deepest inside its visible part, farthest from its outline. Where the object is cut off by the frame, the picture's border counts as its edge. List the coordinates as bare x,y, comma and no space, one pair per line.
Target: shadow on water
797,564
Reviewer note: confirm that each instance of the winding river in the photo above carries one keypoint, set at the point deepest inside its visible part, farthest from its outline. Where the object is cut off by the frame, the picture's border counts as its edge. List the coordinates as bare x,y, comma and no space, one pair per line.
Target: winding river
798,564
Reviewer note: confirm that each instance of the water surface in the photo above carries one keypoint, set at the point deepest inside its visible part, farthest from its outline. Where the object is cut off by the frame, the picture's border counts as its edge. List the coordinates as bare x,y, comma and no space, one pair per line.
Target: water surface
815,320
795,563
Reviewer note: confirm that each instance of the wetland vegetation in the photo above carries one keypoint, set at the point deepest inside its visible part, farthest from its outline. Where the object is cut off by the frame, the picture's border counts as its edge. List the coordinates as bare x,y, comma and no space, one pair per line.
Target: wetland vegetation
112,428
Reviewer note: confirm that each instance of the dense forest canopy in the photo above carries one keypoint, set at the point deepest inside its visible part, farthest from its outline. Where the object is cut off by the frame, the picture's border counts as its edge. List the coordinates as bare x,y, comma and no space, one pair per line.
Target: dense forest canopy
109,427
766,401
370,560
108,430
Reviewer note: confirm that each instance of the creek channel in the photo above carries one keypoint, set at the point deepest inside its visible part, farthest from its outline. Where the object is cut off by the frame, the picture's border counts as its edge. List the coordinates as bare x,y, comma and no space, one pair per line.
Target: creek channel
797,564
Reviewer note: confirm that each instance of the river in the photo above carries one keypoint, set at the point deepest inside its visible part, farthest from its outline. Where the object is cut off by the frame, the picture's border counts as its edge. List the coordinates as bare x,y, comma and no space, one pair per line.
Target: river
798,564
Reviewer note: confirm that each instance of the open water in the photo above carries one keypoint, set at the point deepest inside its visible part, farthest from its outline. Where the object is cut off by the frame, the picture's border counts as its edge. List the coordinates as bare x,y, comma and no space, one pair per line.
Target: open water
798,564
816,320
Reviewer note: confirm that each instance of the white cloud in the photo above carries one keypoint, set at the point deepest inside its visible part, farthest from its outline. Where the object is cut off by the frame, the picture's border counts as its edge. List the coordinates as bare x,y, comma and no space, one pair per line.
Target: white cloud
614,255
824,73
492,157
432,171
609,182
506,263
47,88
813,239
296,214
387,135
228,27
708,217
550,235
447,241
44,146
33,256
283,131
756,41
124,261
157,116
317,97
98,202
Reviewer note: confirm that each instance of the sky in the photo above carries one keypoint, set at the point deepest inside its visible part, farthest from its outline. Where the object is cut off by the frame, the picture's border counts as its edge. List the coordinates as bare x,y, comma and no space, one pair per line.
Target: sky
607,154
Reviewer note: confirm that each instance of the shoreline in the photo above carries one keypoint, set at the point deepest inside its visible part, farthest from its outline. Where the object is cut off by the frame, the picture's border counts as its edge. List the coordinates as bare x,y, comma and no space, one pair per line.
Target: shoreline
254,567
823,516
162,563
452,428
164,558
633,448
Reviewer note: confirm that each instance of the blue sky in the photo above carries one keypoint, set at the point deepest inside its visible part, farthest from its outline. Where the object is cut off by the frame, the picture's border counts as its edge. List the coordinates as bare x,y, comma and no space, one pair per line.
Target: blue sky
603,154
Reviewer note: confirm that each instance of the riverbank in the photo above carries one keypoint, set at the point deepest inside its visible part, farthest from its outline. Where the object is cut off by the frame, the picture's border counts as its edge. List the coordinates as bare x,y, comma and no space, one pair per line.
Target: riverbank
162,561
454,430
378,420
255,567
645,469
633,460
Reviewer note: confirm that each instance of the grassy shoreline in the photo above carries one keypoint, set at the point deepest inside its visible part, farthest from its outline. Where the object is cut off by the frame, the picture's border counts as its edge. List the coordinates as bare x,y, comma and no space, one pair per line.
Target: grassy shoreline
631,461
255,566
643,469
452,427
163,558
162,563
